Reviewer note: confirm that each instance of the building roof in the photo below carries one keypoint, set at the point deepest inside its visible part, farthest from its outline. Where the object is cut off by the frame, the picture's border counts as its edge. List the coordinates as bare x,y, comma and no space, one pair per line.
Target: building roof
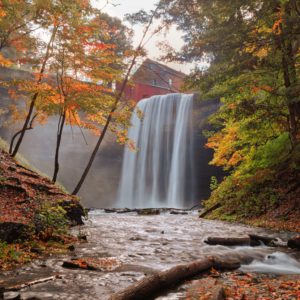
165,68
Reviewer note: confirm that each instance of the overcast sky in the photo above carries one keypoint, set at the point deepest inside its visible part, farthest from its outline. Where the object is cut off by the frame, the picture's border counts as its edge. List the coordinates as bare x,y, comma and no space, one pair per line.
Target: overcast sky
123,7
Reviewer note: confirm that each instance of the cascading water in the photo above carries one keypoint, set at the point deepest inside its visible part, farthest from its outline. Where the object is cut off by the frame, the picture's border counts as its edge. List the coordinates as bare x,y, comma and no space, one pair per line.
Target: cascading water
160,172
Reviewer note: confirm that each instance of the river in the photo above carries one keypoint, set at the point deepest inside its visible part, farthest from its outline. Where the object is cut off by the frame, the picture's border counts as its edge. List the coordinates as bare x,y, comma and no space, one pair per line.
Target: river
139,245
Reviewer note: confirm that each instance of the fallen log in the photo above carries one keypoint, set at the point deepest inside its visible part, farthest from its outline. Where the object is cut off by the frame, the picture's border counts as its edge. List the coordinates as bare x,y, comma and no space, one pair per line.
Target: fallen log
209,210
149,286
265,239
231,241
152,285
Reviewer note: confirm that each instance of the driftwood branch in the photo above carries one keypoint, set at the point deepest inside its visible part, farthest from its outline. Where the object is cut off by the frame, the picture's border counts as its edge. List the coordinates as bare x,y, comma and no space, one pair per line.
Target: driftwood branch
153,285
28,283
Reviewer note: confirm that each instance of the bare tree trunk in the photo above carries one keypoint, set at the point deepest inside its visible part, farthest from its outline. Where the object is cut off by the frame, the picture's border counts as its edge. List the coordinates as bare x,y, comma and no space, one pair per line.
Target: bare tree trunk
290,78
114,107
19,132
61,124
33,100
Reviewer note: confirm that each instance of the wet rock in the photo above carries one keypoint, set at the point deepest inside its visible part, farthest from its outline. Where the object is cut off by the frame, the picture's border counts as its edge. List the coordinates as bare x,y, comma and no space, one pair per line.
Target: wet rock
148,211
74,211
11,296
294,243
136,238
71,248
178,212
82,237
11,232
226,263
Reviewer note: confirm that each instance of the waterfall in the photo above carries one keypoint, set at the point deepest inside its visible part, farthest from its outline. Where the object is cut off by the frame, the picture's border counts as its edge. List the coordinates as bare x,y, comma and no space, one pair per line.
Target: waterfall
159,173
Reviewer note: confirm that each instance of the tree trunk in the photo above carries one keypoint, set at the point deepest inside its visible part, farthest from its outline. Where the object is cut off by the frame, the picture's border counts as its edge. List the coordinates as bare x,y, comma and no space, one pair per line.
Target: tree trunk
153,285
33,100
150,286
18,133
290,77
61,124
114,107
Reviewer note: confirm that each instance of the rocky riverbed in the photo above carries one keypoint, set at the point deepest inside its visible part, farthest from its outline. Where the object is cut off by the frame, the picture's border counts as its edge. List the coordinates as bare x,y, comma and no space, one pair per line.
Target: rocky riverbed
126,247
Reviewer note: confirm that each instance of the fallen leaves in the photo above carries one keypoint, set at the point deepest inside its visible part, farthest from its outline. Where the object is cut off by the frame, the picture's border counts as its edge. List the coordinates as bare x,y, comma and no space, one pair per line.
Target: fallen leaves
89,263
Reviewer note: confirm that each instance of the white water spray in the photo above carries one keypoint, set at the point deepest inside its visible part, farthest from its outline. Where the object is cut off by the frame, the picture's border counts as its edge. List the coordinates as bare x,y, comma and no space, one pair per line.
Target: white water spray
275,263
160,172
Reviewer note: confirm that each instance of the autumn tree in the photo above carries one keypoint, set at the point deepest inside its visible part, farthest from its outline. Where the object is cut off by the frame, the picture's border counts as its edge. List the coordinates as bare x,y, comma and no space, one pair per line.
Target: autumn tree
85,63
76,84
113,110
54,16
16,25
252,49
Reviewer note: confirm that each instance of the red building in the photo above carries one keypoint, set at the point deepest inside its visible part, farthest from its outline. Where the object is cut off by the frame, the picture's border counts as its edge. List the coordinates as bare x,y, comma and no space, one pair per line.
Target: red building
153,78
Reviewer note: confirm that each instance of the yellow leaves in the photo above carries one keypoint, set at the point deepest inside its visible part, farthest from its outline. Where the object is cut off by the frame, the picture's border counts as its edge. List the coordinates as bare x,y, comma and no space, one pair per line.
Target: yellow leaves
257,89
4,62
2,13
223,143
262,52
257,51
235,159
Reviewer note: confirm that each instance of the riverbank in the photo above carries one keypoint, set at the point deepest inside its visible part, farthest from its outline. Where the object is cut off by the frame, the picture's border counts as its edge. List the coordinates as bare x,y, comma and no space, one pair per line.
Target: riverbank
35,215
128,247
284,217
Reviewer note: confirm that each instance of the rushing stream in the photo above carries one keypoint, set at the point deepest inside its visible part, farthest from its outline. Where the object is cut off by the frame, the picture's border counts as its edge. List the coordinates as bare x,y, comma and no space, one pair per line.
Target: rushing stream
143,245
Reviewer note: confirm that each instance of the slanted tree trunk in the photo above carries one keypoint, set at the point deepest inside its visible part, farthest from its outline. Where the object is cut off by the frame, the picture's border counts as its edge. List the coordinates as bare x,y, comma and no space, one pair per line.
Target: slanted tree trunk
34,97
114,107
18,133
61,124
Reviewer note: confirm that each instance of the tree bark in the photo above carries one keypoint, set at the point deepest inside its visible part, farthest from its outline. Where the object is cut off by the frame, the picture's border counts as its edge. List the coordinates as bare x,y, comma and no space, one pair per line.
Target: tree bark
150,286
33,100
290,76
18,133
209,210
61,124
153,285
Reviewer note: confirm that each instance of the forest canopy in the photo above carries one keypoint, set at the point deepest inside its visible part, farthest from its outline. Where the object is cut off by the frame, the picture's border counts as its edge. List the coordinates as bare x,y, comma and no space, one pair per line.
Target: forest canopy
253,52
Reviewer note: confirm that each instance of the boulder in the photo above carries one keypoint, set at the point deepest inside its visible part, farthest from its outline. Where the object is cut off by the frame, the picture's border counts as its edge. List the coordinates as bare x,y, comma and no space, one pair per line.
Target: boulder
11,232
294,242
74,211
